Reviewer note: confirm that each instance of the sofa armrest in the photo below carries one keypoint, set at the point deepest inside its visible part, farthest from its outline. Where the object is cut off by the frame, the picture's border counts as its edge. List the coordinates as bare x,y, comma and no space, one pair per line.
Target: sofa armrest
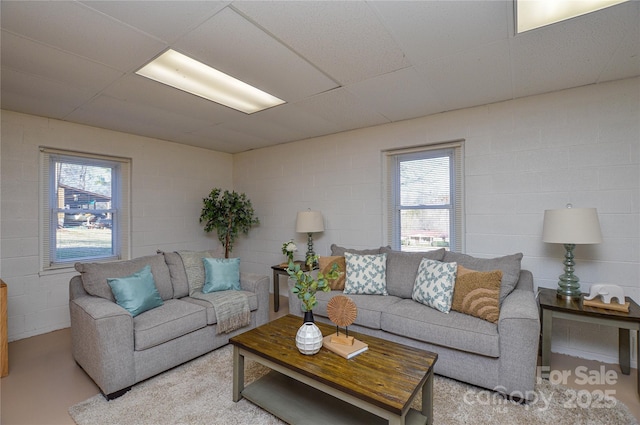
258,284
519,330
525,281
103,342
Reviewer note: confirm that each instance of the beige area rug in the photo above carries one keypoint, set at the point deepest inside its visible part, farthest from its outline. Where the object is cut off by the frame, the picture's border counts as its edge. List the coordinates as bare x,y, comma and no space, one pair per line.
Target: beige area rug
199,392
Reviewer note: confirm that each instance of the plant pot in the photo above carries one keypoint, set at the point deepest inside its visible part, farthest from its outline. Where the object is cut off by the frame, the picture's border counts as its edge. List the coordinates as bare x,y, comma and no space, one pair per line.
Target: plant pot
308,317
309,339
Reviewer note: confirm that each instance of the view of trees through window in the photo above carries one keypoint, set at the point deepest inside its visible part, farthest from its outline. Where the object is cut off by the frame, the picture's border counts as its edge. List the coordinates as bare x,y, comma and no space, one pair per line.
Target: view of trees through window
83,210
425,205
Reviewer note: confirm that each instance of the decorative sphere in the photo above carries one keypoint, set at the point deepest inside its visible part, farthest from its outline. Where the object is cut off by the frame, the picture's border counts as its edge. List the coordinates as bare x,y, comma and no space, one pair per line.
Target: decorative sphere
309,338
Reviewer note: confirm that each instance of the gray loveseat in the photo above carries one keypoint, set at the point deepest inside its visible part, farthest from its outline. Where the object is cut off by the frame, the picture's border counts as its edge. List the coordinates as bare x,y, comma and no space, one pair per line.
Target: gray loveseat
499,356
118,350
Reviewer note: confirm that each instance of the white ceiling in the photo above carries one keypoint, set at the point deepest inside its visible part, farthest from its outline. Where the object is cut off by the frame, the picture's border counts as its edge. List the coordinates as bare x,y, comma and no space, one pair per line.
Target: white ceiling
339,65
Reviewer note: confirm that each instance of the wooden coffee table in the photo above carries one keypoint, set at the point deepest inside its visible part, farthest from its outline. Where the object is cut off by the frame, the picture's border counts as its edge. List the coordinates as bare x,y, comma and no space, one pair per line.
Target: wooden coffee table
375,387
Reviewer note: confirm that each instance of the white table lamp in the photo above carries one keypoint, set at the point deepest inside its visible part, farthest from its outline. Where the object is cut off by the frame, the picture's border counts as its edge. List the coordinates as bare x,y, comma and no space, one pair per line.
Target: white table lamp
570,227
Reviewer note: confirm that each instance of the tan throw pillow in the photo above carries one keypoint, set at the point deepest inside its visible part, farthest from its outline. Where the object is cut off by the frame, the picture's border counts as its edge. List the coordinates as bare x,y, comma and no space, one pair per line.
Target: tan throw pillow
478,293
326,263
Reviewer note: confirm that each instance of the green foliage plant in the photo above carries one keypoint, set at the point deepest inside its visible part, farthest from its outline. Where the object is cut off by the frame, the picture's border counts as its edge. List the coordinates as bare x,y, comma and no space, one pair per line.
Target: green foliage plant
306,286
229,214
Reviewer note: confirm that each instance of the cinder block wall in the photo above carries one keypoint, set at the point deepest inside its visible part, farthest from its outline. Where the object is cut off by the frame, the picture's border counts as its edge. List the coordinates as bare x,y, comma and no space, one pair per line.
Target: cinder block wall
168,184
521,157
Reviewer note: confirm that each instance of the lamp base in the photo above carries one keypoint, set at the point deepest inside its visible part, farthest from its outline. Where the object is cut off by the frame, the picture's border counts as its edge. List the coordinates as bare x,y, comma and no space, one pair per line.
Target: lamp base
310,254
568,296
569,283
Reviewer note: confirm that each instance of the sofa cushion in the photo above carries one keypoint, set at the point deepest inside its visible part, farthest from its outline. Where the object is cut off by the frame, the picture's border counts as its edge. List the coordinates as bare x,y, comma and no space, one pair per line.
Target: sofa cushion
370,307
136,293
339,251
194,267
478,293
434,284
177,273
211,313
366,274
402,268
221,274
95,275
455,330
326,263
509,265
173,319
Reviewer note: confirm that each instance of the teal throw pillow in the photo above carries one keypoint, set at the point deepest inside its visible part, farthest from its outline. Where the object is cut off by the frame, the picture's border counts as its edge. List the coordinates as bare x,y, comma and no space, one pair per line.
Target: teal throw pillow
221,274
365,274
136,293
434,284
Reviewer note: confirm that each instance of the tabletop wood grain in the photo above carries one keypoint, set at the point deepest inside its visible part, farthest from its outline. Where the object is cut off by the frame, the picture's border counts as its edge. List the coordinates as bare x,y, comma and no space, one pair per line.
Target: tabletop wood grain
388,374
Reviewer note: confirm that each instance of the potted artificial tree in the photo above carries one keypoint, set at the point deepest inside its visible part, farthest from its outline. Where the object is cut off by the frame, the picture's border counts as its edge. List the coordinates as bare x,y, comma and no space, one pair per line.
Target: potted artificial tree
229,213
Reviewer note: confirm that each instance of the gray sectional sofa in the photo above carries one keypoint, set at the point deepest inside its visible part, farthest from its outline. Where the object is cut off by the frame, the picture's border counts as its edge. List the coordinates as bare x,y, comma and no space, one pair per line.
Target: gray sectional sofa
118,350
499,356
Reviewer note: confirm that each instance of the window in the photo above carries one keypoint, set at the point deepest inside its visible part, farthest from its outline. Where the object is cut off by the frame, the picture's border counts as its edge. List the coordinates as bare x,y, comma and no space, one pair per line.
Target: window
85,202
424,198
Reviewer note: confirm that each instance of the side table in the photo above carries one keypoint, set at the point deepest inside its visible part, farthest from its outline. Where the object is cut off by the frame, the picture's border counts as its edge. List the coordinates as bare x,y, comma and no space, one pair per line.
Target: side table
280,270
554,307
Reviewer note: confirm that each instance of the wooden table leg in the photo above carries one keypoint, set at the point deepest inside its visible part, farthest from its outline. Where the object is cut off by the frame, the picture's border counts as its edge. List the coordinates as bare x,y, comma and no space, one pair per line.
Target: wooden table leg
238,374
427,399
276,291
624,352
547,322
4,341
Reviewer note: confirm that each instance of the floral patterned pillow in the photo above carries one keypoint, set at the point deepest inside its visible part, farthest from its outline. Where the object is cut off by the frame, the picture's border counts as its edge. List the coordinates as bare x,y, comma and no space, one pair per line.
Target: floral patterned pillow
366,274
434,284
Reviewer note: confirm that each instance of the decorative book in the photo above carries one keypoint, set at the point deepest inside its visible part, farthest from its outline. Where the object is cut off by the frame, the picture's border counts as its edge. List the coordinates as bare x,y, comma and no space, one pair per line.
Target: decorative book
346,351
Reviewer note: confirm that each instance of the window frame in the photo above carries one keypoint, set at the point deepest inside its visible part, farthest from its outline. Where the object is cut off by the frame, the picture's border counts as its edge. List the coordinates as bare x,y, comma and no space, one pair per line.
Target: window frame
393,209
119,209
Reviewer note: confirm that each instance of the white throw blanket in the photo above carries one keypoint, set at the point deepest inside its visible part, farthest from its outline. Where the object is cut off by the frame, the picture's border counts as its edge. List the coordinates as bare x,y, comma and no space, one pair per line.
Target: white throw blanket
231,307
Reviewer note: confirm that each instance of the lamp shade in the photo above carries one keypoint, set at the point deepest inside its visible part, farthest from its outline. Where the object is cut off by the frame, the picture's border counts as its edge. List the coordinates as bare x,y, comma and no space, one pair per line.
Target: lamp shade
309,222
571,226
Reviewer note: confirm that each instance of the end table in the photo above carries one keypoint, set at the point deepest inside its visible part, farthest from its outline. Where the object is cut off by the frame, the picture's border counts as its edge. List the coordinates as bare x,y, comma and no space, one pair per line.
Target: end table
280,270
554,307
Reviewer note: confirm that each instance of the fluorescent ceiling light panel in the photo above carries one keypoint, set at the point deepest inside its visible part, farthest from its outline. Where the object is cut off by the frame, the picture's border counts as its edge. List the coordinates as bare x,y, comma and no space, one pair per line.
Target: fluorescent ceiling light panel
184,73
531,14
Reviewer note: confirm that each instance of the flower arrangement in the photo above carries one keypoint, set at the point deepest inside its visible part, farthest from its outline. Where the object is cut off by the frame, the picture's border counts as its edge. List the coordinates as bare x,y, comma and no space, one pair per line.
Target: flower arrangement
306,286
288,248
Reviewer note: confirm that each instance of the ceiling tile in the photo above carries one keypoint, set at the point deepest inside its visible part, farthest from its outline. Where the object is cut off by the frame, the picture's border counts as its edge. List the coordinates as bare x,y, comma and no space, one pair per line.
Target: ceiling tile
569,54
345,39
472,78
166,20
432,29
72,27
142,91
398,95
234,141
39,96
235,46
107,112
291,116
342,109
625,61
34,58
262,128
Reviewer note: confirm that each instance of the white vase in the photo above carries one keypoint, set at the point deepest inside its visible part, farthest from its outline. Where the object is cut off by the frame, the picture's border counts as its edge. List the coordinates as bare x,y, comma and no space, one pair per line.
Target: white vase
309,338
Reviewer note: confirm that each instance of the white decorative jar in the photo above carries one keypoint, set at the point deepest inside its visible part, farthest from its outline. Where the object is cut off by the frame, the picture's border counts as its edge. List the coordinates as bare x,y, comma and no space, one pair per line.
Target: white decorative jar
309,338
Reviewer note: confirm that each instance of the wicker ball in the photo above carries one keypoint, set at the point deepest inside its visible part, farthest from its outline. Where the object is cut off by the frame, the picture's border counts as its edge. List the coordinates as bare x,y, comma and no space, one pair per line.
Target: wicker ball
342,310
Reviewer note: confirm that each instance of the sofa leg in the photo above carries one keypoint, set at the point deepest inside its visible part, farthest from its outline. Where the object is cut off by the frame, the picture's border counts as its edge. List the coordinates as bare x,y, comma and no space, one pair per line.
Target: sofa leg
116,394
